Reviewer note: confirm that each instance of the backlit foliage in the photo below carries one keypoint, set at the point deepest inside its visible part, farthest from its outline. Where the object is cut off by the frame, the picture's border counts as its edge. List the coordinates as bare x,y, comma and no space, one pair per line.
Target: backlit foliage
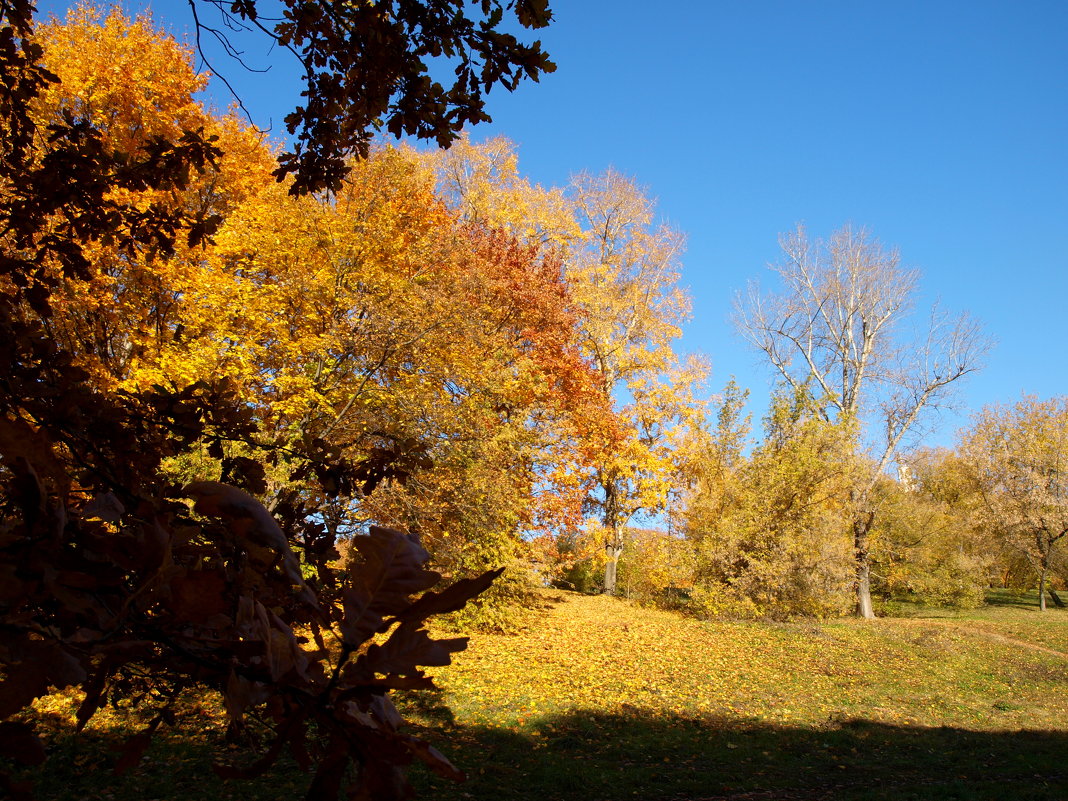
176,450
129,320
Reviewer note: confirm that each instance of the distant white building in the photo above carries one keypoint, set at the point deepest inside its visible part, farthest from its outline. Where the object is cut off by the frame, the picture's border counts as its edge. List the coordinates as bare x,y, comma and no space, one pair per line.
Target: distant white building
905,477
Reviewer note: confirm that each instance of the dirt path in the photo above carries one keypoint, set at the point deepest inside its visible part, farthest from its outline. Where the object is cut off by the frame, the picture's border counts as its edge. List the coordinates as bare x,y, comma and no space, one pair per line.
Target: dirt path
978,631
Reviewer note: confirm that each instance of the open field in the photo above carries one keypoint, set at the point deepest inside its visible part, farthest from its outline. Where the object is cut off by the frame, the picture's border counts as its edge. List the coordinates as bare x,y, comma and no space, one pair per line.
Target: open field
602,700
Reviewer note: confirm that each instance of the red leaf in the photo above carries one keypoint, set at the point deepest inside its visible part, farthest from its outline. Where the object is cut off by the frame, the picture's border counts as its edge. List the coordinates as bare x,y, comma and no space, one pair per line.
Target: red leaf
198,595
407,648
434,759
94,689
451,599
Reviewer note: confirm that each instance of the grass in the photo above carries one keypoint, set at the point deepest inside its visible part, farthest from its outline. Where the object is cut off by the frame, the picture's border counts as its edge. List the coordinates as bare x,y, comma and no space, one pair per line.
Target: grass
603,700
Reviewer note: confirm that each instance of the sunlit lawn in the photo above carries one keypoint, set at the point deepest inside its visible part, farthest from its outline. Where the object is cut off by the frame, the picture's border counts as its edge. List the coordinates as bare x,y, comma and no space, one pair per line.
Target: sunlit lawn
598,699
602,700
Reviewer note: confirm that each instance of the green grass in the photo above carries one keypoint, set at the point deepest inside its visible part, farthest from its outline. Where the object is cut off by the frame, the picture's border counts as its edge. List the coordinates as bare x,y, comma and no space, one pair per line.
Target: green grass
602,700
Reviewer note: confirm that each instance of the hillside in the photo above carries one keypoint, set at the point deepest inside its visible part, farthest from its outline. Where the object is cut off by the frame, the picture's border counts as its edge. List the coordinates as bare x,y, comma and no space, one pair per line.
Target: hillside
603,700
599,700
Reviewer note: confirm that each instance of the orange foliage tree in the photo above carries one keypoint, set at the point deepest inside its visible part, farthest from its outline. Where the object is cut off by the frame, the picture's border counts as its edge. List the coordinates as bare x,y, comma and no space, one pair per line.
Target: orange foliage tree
114,577
621,267
339,317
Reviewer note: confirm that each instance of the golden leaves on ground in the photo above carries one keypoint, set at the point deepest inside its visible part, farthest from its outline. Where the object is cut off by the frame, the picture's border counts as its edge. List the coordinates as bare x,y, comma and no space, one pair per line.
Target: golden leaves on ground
600,654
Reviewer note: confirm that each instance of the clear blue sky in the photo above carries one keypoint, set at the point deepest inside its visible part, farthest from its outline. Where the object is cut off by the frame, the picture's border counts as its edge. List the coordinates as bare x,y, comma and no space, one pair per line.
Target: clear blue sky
941,126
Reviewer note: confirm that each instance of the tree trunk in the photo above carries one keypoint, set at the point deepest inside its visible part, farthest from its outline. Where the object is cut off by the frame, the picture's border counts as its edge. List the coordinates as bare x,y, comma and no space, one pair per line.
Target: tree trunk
861,527
614,549
613,546
1042,589
1056,598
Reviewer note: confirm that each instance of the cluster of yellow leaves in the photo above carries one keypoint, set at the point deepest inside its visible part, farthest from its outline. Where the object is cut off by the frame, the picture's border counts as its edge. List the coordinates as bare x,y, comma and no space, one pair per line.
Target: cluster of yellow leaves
771,531
134,84
373,318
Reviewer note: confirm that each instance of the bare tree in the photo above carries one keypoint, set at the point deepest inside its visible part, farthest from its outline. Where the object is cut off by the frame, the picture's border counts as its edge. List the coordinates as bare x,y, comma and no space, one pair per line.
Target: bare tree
835,330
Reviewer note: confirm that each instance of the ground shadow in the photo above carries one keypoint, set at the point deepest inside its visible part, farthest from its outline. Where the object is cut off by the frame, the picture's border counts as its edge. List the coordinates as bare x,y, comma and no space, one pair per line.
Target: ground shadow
589,757
1013,601
629,755
1019,599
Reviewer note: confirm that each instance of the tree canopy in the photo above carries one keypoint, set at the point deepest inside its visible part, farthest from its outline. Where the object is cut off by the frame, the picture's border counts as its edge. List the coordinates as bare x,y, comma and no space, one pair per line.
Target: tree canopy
174,427
1018,458
834,332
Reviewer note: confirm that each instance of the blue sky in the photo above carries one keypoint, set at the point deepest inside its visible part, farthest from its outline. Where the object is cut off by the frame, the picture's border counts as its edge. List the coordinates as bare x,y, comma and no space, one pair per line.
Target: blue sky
941,126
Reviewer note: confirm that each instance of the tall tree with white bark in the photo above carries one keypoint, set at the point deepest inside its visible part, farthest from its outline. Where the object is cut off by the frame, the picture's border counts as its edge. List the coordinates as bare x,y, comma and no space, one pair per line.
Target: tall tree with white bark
836,329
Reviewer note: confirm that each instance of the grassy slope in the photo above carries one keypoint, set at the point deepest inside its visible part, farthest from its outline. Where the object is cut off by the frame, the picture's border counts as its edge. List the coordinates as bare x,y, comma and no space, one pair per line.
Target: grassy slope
602,700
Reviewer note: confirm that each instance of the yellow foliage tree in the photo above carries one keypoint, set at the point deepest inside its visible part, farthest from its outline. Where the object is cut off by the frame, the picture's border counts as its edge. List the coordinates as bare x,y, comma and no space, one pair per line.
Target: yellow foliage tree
128,320
1018,457
926,545
625,274
373,320
771,531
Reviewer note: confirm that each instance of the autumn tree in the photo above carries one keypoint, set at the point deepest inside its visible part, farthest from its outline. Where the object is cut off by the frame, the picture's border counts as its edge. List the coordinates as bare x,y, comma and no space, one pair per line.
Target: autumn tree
468,354
710,455
836,330
483,183
1018,456
116,578
129,320
338,317
625,279
925,544
657,568
373,319
768,529
622,269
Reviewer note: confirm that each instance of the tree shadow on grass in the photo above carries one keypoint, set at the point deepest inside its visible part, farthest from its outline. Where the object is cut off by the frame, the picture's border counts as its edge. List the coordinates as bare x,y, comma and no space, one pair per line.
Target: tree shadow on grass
596,757
1013,598
176,767
617,757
